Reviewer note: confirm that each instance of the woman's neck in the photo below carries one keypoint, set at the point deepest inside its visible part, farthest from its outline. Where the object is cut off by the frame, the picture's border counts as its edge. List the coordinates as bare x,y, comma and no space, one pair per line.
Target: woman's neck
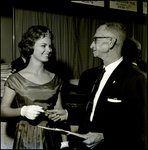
35,67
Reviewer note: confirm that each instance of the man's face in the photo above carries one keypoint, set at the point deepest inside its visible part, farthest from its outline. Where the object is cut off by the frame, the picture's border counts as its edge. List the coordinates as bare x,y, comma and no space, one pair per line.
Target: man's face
101,42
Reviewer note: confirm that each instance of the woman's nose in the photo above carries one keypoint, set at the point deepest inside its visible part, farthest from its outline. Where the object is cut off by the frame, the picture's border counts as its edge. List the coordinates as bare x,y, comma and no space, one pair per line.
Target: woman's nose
49,49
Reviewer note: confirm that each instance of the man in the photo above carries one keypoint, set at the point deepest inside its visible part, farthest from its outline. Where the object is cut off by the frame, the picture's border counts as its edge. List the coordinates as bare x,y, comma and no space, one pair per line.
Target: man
115,116
118,116
132,52
19,64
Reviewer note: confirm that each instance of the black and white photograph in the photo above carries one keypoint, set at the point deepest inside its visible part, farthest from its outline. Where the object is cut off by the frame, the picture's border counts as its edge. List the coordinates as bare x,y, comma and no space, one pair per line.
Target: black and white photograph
74,75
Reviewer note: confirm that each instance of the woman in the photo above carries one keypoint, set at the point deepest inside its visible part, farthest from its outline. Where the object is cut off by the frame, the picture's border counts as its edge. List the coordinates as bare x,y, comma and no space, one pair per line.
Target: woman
36,90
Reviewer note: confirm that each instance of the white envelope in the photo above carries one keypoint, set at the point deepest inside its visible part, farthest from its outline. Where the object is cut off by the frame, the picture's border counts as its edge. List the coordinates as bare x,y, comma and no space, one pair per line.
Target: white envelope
115,100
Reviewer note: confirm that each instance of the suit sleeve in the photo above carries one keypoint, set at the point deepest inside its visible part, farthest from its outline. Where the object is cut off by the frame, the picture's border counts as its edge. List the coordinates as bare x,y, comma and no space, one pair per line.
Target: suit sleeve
138,111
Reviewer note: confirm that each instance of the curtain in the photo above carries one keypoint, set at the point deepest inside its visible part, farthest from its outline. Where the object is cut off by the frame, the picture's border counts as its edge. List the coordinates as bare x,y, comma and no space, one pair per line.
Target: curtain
140,34
73,36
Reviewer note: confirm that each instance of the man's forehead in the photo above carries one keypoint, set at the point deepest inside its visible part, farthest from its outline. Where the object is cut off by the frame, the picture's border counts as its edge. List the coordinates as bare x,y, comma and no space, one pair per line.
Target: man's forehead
101,31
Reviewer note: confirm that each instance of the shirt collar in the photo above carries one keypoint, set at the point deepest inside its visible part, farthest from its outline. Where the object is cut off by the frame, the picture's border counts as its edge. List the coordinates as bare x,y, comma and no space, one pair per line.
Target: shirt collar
134,63
111,67
24,60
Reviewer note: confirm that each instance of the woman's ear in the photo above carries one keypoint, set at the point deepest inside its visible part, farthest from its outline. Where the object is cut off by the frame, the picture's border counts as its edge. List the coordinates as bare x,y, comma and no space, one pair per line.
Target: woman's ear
112,42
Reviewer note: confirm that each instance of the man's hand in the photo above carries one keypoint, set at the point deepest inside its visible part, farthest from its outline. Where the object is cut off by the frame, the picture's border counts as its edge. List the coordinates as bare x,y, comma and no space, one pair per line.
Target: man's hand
93,139
57,114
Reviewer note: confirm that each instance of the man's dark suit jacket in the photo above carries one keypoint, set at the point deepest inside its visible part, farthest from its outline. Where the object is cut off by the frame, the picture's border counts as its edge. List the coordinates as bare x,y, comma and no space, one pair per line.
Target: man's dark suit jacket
122,123
18,64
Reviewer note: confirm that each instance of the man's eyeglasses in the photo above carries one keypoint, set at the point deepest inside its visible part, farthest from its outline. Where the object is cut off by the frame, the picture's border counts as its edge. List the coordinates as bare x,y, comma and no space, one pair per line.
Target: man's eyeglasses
99,37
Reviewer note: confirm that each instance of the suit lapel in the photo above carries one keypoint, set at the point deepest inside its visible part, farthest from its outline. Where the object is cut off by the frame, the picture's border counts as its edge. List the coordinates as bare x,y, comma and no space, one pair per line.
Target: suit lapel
113,79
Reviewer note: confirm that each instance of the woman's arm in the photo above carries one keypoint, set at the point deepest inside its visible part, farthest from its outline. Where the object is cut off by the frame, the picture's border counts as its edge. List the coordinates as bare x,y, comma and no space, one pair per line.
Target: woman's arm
6,110
59,102
31,111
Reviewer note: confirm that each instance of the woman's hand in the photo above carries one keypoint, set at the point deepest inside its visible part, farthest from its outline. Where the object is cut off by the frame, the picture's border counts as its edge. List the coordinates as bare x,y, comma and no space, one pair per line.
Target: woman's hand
31,111
57,114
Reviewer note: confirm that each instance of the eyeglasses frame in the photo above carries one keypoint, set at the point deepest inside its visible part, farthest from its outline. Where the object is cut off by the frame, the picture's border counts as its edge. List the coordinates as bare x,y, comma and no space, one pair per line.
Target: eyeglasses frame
97,37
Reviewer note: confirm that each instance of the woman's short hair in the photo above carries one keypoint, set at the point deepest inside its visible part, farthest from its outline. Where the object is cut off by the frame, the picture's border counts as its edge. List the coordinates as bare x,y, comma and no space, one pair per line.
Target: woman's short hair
30,37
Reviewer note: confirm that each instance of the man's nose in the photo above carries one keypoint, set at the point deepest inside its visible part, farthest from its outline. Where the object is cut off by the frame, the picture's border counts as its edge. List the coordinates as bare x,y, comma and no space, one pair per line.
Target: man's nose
92,45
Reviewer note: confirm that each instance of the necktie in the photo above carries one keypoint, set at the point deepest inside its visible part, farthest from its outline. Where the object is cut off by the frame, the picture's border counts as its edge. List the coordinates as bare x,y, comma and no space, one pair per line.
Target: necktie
93,92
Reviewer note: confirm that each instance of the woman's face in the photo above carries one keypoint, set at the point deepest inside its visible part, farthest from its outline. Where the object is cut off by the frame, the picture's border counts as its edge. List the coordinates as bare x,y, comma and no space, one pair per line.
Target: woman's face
42,49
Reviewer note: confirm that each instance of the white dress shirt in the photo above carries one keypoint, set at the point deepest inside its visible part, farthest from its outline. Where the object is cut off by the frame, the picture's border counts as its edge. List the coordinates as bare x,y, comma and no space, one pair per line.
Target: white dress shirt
108,71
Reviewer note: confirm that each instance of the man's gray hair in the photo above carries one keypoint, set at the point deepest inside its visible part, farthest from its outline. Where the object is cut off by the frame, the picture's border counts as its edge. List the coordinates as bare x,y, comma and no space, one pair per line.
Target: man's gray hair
117,29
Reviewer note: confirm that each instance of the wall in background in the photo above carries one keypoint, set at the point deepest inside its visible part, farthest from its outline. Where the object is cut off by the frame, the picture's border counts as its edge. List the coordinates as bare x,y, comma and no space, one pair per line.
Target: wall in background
6,39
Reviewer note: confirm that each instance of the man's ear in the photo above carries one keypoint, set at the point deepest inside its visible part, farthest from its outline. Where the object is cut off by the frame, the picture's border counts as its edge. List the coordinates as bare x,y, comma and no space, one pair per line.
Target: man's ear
112,42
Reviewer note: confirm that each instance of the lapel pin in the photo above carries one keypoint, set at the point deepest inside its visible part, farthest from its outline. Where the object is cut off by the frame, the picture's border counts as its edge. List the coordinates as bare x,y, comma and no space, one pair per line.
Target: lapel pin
114,81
